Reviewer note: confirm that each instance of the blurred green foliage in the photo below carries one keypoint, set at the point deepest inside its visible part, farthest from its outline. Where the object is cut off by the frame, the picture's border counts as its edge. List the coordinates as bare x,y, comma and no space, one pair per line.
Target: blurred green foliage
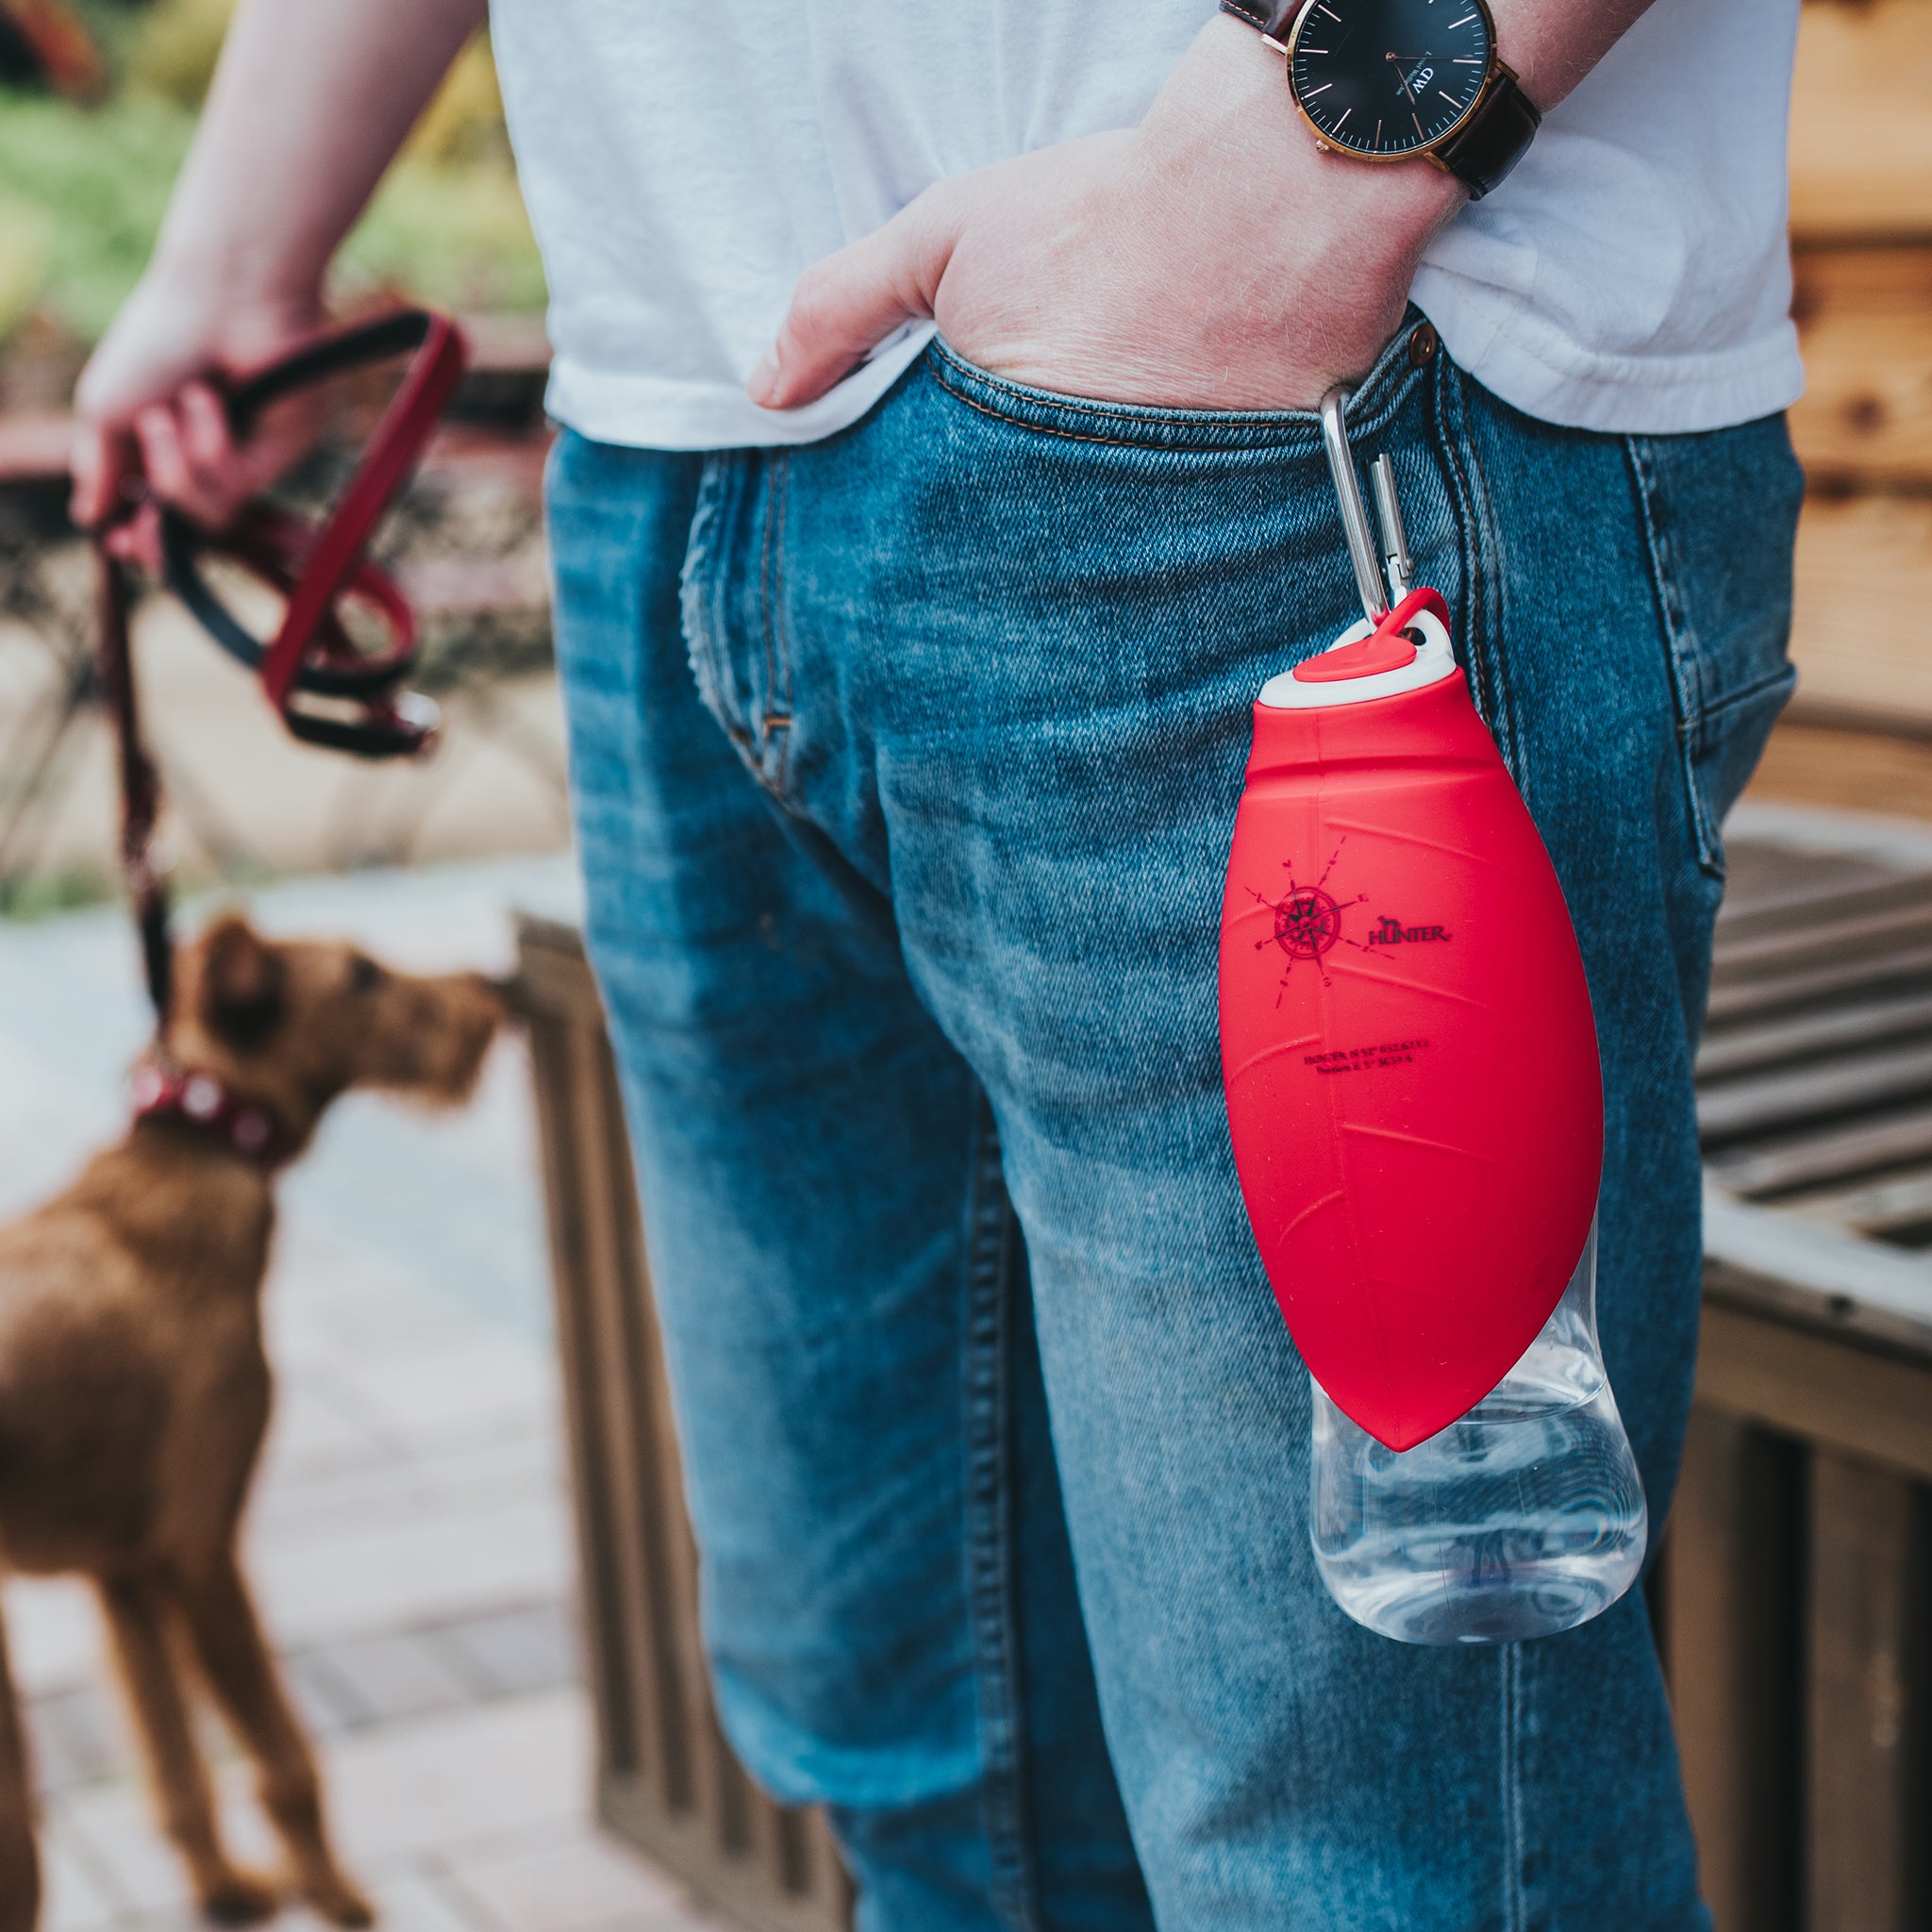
82,189
26,244
173,48
92,183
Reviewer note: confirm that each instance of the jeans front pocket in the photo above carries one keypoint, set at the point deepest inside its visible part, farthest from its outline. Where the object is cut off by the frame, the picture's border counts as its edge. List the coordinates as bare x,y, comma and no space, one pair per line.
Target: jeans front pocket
1149,426
1720,517
1176,557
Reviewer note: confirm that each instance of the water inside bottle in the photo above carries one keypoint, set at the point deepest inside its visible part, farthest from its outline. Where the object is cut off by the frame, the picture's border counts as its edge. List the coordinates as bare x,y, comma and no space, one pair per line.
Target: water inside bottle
1524,1518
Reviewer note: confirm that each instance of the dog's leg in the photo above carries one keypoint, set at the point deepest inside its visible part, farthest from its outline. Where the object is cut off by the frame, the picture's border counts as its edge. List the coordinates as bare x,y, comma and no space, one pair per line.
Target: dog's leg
137,1613
20,1867
229,1639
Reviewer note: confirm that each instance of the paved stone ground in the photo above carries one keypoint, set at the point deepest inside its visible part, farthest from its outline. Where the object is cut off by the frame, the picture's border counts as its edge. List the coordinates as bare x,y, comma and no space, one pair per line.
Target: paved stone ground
410,1535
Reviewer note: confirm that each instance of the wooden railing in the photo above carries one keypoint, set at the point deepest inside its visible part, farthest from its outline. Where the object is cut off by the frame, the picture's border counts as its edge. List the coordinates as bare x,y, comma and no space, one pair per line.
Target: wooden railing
1792,1597
666,1779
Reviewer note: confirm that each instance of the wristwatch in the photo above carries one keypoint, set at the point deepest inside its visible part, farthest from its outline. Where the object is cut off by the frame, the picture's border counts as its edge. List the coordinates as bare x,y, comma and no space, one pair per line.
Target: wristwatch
1387,80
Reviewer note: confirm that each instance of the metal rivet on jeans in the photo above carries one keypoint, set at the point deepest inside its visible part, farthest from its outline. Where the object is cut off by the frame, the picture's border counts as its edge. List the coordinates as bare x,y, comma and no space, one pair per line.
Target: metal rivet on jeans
1422,345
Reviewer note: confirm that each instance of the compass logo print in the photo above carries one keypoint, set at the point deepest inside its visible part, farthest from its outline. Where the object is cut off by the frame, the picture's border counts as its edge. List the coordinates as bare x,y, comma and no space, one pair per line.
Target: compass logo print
1309,924
1308,920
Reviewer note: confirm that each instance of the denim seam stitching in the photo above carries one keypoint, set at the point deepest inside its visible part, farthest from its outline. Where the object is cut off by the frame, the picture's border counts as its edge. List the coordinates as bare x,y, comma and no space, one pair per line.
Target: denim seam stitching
705,580
1495,607
989,1503
698,588
1486,672
1181,443
1515,1914
778,710
1719,708
783,630
1465,535
1152,417
1687,689
1041,428
765,599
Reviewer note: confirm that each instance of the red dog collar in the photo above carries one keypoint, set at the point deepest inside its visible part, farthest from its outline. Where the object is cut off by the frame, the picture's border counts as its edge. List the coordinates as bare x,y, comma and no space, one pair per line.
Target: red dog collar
161,1090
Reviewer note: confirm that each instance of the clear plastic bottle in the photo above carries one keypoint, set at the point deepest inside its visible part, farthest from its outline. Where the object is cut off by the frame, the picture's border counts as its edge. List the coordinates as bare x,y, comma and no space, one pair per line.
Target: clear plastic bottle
1524,1518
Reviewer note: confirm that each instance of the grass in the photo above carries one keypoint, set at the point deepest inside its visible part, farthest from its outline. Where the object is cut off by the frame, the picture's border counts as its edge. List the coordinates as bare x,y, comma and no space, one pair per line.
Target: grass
94,183
82,192
32,897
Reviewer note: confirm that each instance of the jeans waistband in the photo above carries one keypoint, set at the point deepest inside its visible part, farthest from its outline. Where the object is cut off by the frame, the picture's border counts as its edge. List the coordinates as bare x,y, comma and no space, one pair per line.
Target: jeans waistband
1412,351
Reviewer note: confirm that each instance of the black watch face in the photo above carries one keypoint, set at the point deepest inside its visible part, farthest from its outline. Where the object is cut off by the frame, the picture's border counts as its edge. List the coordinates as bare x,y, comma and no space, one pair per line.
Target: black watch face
1387,77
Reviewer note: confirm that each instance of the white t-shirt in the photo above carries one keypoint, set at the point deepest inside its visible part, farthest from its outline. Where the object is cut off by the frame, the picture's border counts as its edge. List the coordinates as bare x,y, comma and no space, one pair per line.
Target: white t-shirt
683,159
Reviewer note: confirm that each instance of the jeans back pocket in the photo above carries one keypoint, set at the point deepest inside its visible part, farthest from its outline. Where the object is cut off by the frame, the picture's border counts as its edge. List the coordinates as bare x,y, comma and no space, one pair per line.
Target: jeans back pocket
1720,512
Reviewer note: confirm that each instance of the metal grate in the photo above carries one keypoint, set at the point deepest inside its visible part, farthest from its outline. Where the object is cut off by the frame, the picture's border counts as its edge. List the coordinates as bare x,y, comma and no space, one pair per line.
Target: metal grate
1815,1081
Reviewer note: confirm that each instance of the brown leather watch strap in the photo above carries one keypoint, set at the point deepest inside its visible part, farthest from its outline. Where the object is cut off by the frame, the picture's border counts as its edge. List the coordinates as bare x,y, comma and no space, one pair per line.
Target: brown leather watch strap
1494,138
1272,17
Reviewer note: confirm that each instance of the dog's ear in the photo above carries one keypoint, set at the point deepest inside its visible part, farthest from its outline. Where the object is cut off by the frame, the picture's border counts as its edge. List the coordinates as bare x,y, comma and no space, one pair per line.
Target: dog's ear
241,989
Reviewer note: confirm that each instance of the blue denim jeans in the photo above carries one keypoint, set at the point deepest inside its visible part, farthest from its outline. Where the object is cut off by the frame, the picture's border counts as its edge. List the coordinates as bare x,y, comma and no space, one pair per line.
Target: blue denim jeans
905,766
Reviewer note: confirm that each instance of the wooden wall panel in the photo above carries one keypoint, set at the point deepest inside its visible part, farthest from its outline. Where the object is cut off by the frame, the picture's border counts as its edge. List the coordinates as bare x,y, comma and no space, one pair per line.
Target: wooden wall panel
1862,216
1853,770
1865,314
1862,121
1862,636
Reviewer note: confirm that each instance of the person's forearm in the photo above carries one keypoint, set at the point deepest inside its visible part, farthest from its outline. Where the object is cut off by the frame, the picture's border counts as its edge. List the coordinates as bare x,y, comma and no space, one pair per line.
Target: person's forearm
308,105
1553,43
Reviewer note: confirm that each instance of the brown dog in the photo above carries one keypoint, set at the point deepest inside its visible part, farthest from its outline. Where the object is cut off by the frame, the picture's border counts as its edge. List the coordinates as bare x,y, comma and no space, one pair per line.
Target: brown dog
134,1391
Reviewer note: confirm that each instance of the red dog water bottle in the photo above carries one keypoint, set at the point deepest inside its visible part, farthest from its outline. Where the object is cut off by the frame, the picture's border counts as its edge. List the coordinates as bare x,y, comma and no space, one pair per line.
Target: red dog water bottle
1416,1109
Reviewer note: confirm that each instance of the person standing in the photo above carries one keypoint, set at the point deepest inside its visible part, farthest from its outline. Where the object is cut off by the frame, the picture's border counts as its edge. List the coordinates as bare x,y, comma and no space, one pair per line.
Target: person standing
938,484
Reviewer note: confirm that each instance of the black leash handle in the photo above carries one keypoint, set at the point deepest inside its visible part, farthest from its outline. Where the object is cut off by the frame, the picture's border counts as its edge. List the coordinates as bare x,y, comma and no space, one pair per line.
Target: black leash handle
314,568
334,354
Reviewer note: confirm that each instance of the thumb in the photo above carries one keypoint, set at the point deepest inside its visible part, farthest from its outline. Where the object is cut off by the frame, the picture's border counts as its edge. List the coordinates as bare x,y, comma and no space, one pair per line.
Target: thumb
97,461
848,303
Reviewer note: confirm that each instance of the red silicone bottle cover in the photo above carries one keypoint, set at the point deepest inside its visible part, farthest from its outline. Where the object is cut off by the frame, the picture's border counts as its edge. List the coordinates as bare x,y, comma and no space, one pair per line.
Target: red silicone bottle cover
1414,1097
1379,651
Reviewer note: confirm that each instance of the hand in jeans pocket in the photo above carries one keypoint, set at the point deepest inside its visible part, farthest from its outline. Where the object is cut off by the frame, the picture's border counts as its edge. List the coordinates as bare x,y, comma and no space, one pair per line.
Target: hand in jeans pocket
1211,258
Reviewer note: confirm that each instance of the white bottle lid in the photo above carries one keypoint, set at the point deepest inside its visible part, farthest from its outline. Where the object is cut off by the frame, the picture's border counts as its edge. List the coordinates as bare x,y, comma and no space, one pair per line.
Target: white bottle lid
1313,684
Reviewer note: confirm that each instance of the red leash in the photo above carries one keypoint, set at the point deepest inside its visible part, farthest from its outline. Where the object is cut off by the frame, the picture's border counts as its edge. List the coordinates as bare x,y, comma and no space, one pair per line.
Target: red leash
316,570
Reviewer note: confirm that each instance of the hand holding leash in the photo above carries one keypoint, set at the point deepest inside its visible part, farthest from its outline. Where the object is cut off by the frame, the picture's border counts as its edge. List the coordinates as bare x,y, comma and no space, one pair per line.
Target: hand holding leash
313,655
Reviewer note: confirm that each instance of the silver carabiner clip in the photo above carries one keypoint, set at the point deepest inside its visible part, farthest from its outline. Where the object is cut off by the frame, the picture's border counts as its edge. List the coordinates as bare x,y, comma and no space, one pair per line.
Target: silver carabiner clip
1356,527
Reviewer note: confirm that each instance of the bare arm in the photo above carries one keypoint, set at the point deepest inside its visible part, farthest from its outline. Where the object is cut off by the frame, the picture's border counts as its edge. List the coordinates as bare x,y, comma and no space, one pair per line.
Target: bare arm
309,105
1211,257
